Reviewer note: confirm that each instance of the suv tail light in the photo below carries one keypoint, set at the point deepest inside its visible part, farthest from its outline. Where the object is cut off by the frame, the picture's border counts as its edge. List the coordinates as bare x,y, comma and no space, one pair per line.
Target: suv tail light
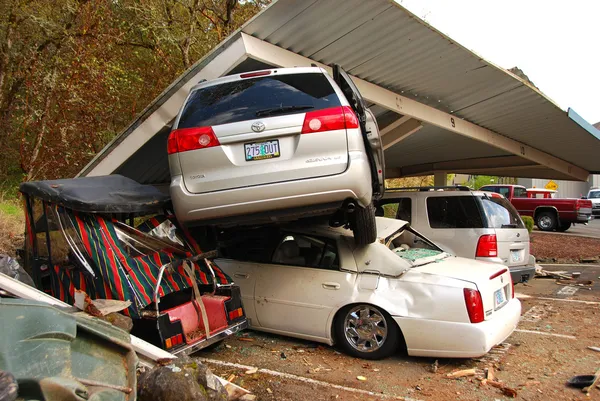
474,305
512,287
184,139
330,119
487,246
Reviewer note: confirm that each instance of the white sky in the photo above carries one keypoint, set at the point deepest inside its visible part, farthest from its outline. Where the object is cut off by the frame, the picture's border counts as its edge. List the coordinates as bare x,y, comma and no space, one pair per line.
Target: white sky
555,43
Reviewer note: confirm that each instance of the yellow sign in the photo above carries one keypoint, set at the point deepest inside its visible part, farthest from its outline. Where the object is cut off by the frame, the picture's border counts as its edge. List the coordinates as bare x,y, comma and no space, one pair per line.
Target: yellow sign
551,185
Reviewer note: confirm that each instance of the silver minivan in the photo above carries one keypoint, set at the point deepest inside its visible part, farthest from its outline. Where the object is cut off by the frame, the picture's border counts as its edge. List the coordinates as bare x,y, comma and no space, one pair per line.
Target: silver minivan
471,224
277,144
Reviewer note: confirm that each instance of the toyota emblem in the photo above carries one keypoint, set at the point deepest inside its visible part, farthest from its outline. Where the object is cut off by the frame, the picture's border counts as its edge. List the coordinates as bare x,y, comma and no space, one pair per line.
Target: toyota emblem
258,126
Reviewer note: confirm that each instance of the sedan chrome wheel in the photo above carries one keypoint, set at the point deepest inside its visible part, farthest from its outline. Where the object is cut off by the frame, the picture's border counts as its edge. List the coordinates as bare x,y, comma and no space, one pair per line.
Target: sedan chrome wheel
365,328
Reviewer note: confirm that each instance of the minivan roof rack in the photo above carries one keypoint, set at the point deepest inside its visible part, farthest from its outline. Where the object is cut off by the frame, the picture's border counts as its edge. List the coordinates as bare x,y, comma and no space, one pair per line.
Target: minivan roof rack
434,188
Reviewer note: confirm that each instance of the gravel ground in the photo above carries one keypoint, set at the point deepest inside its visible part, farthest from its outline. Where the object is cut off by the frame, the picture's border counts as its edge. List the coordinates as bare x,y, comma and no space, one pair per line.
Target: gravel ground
564,247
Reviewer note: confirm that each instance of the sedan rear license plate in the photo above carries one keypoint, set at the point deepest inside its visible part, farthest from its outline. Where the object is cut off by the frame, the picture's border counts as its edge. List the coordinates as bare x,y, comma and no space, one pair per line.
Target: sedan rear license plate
262,150
499,298
515,256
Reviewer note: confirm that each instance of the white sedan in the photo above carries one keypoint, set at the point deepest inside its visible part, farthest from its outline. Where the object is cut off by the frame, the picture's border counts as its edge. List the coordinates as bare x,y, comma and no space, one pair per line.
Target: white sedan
401,292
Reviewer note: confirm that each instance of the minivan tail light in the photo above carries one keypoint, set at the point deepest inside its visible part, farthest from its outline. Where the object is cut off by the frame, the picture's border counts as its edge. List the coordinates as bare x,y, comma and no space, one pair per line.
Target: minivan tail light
474,305
184,139
487,246
330,119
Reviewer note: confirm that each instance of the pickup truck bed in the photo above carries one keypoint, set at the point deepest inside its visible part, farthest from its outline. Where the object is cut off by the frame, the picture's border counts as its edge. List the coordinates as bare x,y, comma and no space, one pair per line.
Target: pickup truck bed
549,214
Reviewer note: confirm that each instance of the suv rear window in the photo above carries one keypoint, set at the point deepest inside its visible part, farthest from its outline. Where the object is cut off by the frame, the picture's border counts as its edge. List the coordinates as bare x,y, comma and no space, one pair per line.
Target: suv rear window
241,100
454,212
500,213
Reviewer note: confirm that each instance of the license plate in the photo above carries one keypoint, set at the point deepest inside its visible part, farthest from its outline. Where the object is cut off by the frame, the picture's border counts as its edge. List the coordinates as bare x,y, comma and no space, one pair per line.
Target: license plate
499,298
262,150
515,256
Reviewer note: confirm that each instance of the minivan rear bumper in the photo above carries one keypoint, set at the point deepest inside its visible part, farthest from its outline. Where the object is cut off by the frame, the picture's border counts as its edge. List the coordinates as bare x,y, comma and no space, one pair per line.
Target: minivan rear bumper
354,183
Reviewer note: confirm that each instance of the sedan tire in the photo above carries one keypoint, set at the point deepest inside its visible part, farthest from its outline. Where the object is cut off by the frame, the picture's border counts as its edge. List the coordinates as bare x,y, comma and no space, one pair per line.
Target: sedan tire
363,225
365,331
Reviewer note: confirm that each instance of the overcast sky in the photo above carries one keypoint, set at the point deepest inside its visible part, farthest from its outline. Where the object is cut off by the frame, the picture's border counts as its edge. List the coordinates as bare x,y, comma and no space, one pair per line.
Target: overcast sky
555,43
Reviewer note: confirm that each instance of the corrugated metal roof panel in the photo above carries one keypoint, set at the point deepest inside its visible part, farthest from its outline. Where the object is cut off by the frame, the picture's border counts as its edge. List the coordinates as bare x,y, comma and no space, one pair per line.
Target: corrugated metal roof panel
383,43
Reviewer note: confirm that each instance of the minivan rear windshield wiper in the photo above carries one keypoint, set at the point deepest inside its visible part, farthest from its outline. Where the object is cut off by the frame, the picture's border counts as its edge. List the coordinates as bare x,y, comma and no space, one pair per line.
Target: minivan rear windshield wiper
281,110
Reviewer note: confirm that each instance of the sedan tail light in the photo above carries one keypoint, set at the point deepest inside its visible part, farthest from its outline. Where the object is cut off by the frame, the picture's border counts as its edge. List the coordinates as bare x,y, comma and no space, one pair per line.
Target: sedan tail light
474,305
184,139
330,119
487,246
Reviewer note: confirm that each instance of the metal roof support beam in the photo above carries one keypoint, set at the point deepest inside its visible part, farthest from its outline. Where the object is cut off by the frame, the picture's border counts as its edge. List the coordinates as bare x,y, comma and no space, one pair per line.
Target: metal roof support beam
274,55
403,131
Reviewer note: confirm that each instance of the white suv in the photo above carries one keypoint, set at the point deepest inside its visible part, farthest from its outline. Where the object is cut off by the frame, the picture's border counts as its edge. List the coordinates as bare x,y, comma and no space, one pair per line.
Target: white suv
594,196
273,145
471,224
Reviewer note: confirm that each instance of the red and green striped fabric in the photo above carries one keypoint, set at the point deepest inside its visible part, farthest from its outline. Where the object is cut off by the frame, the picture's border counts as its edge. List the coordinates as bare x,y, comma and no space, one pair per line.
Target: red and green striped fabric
123,276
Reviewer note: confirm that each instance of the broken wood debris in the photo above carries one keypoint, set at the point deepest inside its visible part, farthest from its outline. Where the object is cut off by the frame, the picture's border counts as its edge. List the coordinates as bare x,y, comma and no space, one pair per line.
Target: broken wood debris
461,373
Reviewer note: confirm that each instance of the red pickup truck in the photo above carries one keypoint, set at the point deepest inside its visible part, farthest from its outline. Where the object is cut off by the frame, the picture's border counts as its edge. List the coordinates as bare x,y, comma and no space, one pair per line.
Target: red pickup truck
549,214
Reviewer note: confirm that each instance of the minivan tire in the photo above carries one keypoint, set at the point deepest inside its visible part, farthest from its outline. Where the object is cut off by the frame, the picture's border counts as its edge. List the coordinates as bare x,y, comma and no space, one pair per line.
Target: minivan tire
363,225
546,221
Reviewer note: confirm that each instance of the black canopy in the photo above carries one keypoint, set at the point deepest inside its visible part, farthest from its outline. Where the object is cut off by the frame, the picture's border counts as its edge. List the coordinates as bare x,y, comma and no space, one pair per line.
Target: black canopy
102,194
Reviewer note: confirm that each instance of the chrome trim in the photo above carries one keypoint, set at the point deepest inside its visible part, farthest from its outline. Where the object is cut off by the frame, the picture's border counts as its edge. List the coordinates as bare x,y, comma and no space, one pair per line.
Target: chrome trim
221,335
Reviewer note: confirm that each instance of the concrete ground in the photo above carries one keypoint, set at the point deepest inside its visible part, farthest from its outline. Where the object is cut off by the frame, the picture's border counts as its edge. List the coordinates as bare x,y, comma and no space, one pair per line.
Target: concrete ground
592,229
550,345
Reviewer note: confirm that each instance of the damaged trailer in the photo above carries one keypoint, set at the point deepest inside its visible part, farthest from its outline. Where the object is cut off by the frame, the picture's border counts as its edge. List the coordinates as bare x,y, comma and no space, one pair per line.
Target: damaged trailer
116,239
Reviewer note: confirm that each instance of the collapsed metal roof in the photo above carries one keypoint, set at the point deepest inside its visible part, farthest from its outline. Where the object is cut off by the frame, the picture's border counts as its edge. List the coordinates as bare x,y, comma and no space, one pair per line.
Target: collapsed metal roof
471,116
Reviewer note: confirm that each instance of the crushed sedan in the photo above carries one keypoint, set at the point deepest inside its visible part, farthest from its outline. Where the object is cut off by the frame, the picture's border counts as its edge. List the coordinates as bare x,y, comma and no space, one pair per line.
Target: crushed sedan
401,292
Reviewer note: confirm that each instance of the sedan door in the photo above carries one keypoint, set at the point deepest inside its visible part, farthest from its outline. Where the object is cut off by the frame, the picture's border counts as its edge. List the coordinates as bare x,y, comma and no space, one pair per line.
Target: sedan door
244,276
299,290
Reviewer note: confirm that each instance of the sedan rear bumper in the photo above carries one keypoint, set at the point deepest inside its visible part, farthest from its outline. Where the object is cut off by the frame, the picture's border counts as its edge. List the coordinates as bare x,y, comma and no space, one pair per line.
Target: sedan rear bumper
354,183
443,339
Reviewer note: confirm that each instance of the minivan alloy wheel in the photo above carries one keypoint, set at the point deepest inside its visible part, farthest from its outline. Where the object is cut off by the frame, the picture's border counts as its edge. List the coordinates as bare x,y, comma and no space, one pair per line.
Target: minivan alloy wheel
365,328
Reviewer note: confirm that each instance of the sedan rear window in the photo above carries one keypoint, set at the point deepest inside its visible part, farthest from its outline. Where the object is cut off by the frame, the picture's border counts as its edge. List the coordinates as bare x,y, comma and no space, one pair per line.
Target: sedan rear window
248,99
500,213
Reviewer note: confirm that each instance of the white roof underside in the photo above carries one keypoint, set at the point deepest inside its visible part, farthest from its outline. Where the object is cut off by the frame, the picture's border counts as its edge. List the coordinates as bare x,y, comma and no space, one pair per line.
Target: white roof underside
382,43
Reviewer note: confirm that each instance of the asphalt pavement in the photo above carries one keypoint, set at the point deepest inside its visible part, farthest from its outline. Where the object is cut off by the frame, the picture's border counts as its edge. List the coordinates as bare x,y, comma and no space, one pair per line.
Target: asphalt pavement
592,229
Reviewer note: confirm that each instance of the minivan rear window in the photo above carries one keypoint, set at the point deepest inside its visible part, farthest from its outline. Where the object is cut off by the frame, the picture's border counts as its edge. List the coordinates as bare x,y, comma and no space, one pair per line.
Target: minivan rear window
500,213
241,100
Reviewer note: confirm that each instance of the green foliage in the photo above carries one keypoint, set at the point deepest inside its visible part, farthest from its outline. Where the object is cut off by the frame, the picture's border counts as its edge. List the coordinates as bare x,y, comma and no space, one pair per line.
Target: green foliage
10,208
74,73
528,220
390,210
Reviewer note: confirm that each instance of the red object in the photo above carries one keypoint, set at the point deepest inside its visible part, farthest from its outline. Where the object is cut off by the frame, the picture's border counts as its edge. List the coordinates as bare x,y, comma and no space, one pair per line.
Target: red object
474,305
512,287
487,246
567,210
330,119
184,139
255,74
191,323
501,272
